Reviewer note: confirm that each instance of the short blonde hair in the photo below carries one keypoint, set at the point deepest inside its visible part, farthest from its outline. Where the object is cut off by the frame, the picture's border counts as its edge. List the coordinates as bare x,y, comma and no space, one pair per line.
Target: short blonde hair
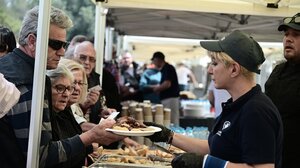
227,61
75,66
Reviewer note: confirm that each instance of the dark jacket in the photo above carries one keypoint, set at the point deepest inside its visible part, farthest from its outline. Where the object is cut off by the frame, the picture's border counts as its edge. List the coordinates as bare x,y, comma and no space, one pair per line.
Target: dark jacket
110,90
65,126
134,80
131,82
10,155
283,87
111,93
18,68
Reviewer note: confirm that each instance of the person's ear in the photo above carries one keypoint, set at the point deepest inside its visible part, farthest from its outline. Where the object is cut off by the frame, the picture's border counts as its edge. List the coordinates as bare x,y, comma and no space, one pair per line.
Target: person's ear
31,41
235,69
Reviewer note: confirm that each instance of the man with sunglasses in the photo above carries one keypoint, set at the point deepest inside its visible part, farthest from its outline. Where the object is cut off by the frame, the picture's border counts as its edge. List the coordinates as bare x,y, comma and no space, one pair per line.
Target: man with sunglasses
283,87
18,68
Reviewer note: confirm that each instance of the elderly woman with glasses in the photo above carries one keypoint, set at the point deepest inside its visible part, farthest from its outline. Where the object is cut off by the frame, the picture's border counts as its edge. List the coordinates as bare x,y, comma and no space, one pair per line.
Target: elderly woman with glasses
62,87
80,97
63,123
65,127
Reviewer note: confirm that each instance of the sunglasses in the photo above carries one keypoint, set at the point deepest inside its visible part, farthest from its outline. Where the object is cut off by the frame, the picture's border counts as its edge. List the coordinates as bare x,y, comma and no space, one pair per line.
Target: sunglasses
61,89
56,44
295,19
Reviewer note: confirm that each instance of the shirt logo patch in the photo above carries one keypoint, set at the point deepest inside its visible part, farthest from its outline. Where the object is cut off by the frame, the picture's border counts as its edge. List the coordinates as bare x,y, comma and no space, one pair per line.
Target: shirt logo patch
225,126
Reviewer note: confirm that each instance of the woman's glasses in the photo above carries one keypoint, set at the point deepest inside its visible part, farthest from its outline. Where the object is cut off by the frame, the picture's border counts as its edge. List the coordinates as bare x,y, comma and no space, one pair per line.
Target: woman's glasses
61,89
56,44
79,83
295,19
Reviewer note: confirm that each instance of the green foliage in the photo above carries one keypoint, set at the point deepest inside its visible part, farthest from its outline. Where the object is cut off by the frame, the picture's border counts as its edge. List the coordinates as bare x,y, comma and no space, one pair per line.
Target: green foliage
8,19
82,13
10,22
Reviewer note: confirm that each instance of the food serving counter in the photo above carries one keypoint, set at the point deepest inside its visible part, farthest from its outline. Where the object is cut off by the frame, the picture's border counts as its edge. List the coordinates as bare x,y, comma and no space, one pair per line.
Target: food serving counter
143,156
103,163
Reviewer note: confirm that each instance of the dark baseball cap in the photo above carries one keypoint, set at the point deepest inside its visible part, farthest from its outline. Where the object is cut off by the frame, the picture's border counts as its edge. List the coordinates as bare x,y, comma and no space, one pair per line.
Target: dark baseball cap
290,22
240,47
158,55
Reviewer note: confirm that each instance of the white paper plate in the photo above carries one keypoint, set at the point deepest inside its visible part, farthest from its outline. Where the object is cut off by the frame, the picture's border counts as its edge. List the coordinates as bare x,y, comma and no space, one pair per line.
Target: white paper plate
134,133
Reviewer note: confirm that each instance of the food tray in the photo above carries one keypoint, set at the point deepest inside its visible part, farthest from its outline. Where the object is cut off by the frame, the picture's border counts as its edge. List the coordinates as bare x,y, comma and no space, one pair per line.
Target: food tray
125,165
102,163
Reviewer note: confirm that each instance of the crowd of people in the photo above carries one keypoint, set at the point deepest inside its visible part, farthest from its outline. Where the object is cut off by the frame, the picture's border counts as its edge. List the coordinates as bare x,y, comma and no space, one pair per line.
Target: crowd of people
252,128
58,147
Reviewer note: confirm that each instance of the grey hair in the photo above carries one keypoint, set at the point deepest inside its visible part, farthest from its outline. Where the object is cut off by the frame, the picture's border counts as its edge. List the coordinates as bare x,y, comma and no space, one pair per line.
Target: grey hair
30,22
69,54
82,45
59,72
73,66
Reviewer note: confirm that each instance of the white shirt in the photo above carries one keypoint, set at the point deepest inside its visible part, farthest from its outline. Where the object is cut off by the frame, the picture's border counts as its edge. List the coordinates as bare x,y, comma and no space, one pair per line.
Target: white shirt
78,113
220,96
183,75
9,95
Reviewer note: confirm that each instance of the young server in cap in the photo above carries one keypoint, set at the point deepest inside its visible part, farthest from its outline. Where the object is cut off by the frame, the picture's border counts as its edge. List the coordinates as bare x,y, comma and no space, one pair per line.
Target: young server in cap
283,87
249,132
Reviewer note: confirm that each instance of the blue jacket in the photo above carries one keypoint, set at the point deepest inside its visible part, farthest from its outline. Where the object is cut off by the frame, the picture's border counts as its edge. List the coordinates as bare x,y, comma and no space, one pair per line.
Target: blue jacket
150,77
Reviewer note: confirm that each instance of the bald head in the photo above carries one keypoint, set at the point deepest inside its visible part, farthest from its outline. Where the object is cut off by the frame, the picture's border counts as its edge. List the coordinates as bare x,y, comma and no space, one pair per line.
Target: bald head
85,46
85,54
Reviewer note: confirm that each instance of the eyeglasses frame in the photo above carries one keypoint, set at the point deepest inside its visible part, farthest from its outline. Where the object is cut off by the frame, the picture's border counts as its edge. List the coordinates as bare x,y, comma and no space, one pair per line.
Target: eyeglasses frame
65,88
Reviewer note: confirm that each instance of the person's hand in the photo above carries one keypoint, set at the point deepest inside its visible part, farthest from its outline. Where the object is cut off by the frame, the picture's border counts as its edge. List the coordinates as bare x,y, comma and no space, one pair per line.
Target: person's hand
161,136
129,142
156,88
124,90
187,160
99,135
95,153
91,99
104,113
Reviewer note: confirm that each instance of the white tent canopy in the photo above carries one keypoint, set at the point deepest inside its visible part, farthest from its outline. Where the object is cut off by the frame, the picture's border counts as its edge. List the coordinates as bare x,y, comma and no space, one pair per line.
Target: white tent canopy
249,7
246,7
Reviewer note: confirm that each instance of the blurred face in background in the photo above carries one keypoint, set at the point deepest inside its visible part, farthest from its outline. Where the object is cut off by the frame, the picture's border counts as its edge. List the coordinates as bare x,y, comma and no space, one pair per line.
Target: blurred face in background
61,89
158,63
126,60
78,86
85,54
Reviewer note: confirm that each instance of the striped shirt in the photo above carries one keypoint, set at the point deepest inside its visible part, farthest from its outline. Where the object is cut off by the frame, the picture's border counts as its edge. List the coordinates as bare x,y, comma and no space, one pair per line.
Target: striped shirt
18,68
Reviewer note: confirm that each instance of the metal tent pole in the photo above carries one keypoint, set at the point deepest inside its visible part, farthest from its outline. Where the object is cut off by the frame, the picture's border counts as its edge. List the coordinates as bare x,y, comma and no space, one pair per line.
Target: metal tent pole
99,37
38,84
